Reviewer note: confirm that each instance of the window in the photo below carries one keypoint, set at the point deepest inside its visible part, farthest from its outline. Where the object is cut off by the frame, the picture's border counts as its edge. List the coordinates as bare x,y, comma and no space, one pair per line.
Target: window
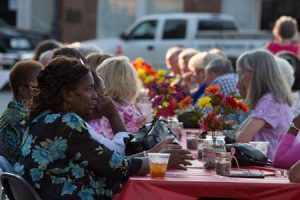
174,29
145,30
218,25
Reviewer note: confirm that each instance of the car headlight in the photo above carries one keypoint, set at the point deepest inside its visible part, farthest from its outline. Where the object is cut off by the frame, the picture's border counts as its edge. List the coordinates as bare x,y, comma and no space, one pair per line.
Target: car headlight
19,43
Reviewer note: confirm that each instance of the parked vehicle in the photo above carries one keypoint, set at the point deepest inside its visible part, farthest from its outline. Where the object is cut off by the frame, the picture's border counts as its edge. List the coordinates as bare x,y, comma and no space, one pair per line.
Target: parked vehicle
16,44
150,36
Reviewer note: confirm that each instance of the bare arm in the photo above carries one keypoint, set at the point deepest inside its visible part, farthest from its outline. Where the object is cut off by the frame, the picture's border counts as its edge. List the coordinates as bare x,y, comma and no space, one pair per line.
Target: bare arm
249,130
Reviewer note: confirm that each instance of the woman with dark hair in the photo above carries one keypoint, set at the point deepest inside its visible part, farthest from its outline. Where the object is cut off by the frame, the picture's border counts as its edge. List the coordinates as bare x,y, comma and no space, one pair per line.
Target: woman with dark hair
69,53
44,46
59,157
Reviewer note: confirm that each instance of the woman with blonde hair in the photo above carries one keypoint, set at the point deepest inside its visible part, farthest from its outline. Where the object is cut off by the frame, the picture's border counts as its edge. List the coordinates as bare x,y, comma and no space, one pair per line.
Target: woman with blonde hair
268,95
93,60
122,84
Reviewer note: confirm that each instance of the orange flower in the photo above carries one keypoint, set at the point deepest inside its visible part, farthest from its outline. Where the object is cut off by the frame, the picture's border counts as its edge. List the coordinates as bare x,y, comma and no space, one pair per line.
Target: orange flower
212,89
186,101
244,107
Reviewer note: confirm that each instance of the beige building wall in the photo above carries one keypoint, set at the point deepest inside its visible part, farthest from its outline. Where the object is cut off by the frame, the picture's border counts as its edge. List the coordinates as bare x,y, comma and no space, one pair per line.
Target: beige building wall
35,15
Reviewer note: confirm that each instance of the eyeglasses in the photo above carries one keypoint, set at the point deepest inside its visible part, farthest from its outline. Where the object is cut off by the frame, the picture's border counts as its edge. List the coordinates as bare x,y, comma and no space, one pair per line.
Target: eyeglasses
33,87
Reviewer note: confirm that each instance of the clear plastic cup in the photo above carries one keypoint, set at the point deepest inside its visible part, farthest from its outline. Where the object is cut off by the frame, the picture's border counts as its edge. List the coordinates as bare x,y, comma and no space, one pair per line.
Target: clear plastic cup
146,109
158,164
178,130
261,145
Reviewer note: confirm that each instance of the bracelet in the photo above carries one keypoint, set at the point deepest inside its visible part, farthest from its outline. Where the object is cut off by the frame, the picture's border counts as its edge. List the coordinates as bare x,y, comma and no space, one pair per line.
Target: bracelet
145,153
292,125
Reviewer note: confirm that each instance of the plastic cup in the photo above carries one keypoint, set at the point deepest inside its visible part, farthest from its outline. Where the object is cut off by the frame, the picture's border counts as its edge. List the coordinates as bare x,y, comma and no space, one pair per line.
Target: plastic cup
261,145
158,164
178,130
146,109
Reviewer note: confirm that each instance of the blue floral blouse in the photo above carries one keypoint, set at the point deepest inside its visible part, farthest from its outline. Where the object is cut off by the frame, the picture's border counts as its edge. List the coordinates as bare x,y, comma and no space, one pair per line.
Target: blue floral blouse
62,161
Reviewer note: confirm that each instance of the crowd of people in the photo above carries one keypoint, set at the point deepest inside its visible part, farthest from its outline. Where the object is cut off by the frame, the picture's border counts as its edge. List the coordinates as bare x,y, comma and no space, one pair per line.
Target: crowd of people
73,106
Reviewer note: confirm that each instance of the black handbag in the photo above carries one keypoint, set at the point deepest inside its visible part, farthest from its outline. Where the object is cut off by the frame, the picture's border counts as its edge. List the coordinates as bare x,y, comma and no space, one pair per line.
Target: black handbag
148,136
248,155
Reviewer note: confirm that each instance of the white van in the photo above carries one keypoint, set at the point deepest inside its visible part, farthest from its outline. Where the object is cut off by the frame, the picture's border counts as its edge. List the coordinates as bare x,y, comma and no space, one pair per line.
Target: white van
150,36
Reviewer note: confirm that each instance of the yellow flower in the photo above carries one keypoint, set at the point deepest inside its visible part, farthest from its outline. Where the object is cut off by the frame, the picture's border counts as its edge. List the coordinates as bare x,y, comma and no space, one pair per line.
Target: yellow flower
148,79
138,60
142,74
161,73
204,102
160,80
165,104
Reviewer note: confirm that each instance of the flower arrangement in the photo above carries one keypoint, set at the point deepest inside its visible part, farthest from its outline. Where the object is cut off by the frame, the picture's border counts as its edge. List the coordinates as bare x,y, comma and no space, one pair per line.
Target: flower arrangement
164,96
219,107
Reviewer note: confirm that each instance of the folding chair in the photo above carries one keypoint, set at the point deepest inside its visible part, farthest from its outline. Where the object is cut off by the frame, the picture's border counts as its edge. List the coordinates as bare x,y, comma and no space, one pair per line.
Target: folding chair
17,188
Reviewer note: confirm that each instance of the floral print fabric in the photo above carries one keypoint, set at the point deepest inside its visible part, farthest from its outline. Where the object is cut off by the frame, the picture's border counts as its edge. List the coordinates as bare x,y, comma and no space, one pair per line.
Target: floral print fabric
62,161
128,113
12,126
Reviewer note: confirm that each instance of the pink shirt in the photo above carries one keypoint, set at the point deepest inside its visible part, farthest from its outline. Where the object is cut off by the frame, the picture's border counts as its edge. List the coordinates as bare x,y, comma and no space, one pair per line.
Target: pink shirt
128,113
278,117
275,47
286,153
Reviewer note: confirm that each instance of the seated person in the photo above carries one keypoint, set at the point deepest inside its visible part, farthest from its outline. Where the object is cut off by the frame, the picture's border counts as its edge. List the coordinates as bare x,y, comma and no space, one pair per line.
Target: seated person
295,63
220,72
270,100
287,151
187,80
93,60
68,52
59,158
122,84
105,108
12,122
44,46
172,61
197,66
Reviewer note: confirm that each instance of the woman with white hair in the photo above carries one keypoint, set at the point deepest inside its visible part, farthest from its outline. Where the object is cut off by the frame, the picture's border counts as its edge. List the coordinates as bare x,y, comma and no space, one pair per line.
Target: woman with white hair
286,70
268,95
122,84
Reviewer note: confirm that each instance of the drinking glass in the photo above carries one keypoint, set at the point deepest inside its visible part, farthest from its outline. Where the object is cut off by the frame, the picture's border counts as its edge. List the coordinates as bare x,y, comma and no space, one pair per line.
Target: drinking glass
158,164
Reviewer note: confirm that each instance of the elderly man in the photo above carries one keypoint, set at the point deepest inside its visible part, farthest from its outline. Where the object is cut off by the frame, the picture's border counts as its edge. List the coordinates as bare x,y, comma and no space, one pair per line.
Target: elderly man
220,72
172,60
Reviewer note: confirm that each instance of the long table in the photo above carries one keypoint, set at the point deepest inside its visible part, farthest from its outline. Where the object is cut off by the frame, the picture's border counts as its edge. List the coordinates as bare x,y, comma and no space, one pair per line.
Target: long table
198,183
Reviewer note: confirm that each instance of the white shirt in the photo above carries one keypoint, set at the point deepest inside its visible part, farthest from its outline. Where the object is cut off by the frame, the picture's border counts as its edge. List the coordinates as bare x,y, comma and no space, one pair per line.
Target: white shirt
115,144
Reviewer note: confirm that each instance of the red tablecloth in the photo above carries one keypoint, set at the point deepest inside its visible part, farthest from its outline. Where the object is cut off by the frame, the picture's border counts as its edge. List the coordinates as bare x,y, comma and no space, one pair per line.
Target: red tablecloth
197,183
